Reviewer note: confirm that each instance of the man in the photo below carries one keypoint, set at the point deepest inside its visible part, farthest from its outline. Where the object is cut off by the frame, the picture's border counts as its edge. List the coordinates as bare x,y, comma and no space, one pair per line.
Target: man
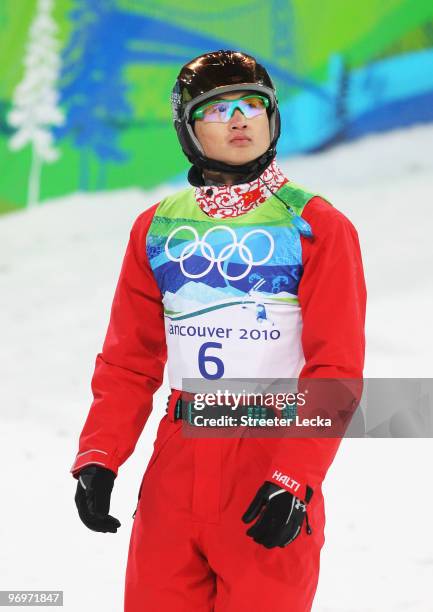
221,522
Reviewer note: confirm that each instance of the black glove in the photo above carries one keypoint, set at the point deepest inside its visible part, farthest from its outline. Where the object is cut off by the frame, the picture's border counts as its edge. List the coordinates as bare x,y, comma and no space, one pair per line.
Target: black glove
92,498
282,517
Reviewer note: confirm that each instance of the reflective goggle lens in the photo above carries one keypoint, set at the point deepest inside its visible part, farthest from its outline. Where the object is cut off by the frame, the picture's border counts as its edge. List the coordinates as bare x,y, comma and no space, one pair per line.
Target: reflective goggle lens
221,111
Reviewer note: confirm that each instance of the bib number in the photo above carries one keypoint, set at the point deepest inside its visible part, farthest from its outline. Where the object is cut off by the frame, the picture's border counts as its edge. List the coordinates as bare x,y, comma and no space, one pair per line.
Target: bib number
204,360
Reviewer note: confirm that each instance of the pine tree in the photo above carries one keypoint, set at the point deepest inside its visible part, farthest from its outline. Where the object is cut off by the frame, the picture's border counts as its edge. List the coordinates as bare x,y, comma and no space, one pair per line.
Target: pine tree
35,100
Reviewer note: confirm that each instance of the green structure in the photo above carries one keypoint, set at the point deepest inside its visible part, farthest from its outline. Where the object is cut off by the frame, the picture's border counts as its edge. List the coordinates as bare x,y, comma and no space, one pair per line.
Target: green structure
84,94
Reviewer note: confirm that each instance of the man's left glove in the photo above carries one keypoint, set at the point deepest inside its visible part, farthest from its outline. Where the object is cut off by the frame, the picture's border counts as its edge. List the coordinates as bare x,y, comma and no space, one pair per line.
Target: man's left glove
281,518
92,498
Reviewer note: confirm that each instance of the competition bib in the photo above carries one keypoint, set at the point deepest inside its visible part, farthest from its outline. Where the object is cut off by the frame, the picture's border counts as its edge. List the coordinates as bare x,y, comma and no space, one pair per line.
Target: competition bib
230,287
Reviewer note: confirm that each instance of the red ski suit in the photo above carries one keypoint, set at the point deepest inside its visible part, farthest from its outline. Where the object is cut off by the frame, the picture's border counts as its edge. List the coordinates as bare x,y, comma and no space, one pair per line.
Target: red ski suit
188,549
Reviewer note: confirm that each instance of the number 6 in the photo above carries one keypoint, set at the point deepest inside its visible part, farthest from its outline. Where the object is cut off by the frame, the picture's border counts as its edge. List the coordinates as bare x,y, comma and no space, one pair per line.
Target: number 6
203,359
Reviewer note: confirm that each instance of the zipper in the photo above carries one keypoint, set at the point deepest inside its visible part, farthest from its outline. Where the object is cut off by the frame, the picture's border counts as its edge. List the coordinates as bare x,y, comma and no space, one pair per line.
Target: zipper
138,500
307,524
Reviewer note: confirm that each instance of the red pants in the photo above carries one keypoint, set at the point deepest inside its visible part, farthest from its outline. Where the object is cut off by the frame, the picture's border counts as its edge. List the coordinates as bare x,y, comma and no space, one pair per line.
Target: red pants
189,551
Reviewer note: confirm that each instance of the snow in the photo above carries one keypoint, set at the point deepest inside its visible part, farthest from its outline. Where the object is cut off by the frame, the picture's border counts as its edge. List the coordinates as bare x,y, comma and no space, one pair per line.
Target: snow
58,269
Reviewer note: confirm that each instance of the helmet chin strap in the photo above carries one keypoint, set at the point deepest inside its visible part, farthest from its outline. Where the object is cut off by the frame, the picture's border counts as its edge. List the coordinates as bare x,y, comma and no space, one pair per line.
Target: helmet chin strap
244,173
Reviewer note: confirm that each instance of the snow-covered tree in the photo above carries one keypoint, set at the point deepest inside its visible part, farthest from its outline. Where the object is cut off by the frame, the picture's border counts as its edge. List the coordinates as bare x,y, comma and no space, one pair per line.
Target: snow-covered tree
35,100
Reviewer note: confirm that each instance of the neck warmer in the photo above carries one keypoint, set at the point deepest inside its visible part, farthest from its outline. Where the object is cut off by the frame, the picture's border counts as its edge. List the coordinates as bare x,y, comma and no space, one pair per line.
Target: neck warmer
223,201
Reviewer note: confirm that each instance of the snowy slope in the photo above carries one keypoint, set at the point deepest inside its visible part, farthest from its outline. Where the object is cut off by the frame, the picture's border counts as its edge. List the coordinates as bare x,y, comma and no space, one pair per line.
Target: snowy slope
58,269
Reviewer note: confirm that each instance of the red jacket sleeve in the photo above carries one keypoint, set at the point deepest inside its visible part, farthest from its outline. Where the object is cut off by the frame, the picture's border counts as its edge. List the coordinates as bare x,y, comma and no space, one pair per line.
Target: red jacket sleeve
332,296
130,367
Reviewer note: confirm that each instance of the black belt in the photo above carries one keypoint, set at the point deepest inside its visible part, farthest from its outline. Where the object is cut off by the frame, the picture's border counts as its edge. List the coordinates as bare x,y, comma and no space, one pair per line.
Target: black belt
186,411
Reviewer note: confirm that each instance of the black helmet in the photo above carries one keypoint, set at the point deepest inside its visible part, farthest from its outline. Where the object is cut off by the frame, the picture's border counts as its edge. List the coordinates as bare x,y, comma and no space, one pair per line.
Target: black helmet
217,73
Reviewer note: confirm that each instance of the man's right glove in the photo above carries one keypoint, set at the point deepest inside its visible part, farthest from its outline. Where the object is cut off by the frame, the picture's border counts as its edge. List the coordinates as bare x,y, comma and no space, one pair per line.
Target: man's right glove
92,498
280,515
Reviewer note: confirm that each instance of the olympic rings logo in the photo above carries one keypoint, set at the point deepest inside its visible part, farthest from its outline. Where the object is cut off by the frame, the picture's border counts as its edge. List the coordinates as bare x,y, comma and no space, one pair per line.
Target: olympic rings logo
208,252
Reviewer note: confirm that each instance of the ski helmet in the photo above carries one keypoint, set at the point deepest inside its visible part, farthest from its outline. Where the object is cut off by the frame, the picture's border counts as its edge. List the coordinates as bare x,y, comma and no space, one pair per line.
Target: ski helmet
208,76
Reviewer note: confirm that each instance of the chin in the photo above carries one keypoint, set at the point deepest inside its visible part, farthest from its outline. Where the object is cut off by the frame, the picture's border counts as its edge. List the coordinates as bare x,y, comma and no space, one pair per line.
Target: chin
240,161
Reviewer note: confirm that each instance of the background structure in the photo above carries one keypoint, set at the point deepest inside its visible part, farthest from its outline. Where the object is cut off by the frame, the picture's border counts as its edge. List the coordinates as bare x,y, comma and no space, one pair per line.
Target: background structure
85,87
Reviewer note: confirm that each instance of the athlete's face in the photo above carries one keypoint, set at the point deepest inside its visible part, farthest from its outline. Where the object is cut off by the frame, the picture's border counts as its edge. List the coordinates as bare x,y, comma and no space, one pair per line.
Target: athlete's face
238,141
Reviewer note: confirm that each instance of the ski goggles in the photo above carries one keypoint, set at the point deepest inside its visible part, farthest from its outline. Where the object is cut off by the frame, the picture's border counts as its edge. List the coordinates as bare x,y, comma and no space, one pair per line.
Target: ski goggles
221,111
